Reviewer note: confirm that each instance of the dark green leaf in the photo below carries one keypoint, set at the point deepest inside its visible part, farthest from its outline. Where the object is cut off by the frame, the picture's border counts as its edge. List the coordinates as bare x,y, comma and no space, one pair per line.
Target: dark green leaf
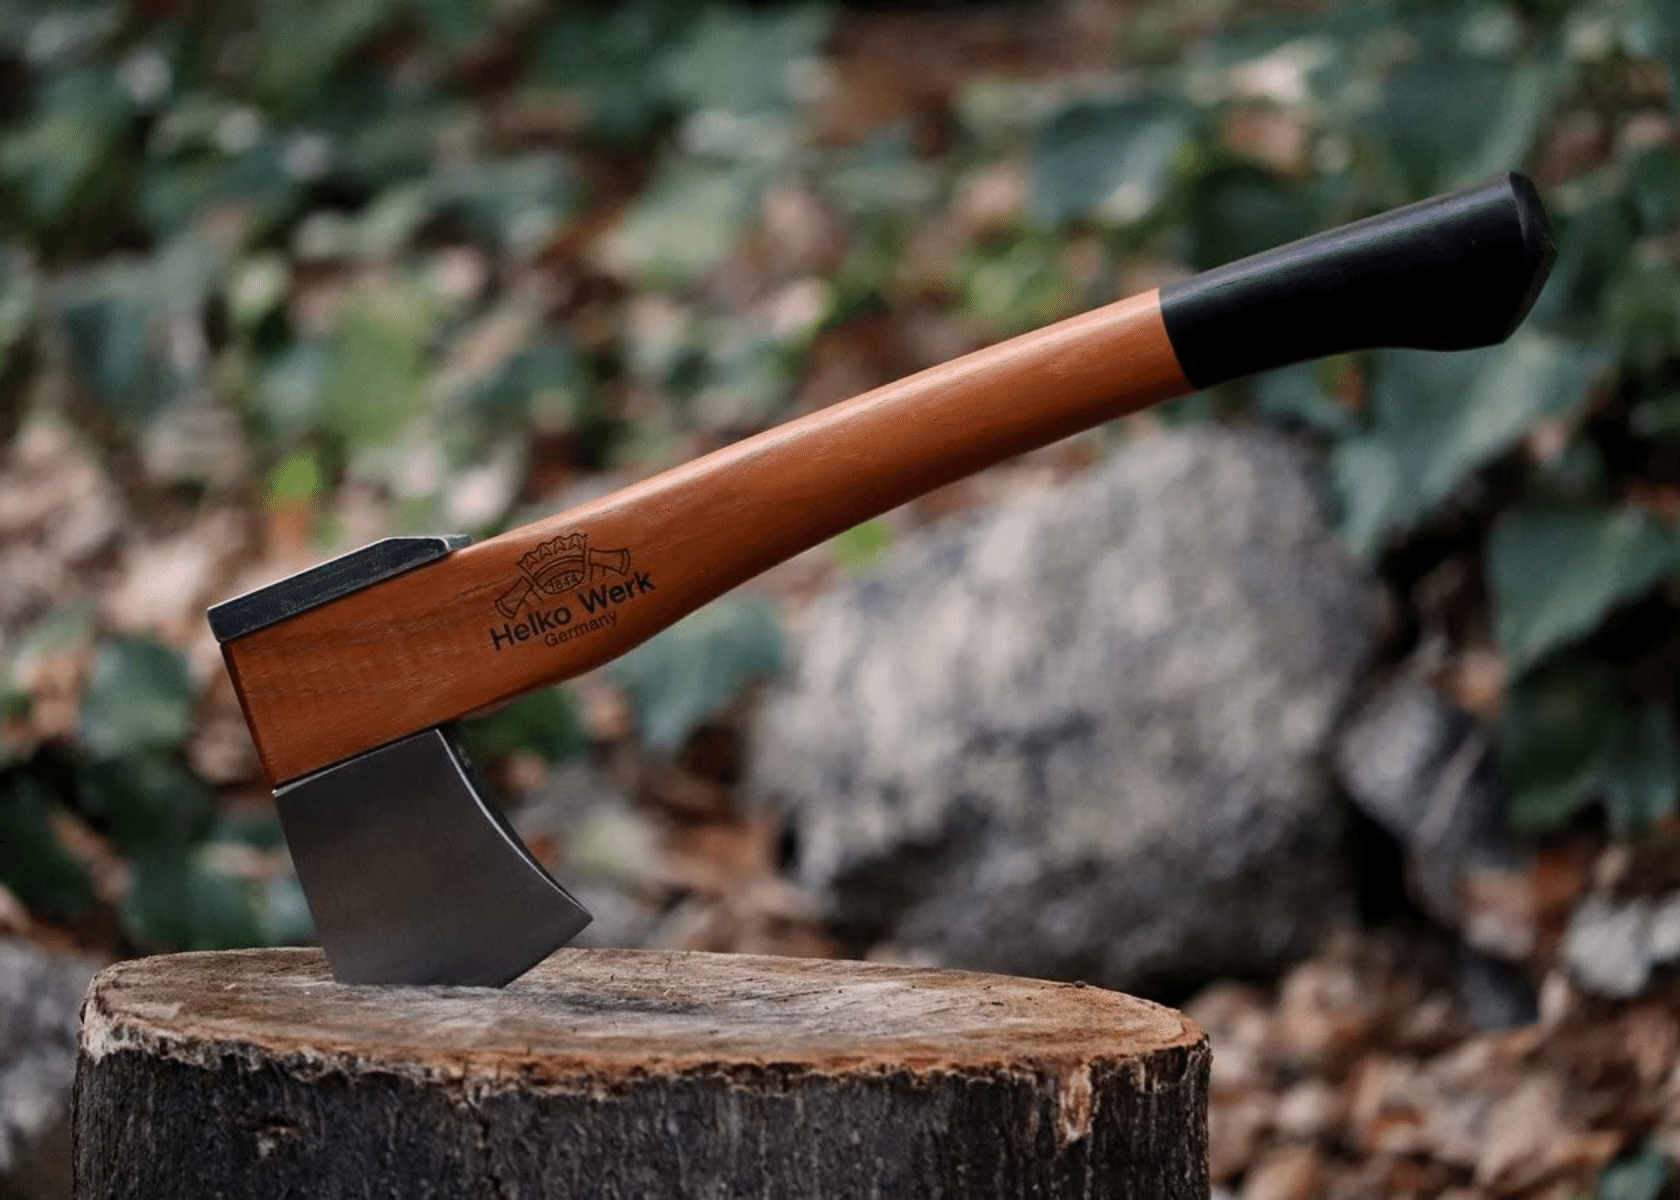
518,204
1556,572
1642,1176
1642,311
1642,773
695,668
175,195
138,698
601,55
181,901
544,723
296,45
48,161
1241,210
282,912
259,830
1436,114
1653,185
286,399
108,320
883,178
742,60
33,864
1105,158
1593,247
120,318
456,25
1558,730
148,803
1438,417
547,387
1657,417
1297,395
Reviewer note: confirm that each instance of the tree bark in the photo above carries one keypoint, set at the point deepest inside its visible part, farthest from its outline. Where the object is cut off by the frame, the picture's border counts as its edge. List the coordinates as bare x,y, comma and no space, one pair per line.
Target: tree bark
618,1073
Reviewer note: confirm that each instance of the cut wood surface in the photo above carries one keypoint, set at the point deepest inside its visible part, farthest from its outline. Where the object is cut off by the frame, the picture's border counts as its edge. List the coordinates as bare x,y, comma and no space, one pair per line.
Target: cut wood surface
631,1073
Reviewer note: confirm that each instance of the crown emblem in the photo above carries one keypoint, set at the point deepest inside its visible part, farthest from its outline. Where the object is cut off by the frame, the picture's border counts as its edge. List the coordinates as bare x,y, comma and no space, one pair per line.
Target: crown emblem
557,566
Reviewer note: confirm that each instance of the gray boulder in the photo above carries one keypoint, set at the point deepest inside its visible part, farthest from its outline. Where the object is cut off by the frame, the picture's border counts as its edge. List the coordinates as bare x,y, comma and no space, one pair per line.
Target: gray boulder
1082,734
1424,771
40,998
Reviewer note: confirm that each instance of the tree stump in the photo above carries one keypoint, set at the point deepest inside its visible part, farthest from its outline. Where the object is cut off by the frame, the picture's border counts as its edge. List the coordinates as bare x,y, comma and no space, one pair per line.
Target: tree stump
252,1074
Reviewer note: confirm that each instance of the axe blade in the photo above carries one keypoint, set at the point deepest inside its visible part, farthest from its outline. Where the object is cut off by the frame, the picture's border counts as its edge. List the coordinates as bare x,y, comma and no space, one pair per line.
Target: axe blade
413,876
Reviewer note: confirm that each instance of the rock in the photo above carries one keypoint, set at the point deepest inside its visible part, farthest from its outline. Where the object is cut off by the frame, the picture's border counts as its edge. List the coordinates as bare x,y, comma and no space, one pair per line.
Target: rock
1494,996
1424,772
1611,948
40,995
1081,735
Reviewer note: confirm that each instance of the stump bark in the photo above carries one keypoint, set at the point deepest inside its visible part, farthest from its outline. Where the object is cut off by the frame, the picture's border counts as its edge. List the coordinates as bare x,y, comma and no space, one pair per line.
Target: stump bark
621,1073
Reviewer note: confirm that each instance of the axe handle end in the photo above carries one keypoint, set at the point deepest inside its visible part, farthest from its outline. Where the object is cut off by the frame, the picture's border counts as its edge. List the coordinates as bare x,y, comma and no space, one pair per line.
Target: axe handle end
1452,273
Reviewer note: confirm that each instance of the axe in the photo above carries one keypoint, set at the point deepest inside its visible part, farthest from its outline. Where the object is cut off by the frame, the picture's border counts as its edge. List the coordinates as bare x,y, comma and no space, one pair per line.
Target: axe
351,673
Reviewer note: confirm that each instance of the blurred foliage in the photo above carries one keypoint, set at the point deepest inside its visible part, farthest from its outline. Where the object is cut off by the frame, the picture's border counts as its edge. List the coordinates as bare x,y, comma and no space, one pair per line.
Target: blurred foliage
433,250
691,671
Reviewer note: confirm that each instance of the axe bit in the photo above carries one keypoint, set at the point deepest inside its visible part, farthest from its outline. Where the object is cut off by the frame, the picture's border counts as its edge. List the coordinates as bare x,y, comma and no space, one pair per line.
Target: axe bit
351,672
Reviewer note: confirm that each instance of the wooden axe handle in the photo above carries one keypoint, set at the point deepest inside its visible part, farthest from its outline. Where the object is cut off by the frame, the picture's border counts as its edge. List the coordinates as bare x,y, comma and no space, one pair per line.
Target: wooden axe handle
430,645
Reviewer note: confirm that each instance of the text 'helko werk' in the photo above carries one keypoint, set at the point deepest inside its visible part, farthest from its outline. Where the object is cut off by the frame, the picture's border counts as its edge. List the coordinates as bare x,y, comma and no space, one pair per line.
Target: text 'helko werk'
566,564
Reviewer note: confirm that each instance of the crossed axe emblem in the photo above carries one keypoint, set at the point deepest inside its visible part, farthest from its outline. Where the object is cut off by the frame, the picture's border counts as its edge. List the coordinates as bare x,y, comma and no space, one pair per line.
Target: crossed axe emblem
557,566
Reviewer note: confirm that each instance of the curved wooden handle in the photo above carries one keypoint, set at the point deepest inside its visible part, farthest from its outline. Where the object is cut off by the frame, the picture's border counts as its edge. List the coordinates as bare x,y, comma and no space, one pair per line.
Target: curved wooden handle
557,597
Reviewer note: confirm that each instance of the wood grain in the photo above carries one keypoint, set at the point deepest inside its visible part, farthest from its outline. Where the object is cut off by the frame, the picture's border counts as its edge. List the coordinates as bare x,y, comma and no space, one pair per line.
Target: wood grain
631,1073
537,604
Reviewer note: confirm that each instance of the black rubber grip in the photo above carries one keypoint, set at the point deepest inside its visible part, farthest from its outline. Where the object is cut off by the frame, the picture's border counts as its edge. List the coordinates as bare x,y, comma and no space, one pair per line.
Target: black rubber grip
1452,273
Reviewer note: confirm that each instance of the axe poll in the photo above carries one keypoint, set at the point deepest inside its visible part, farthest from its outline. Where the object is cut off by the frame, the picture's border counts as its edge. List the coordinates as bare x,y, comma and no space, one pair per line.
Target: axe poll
351,673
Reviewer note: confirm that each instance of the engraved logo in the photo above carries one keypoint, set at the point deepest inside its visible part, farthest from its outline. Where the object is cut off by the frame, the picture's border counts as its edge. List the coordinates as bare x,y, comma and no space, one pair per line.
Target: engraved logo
559,574
557,566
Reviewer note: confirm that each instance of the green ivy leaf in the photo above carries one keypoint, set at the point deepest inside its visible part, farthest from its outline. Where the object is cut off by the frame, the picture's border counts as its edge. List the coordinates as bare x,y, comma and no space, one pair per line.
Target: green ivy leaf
182,901
373,372
297,45
1438,110
1558,730
544,723
1241,209
37,869
1438,417
174,194
692,670
138,698
1556,572
149,803
1642,771
684,224
517,203
1653,187
547,387
49,161
456,25
1641,311
1296,395
1105,158
741,60
601,54
1641,1176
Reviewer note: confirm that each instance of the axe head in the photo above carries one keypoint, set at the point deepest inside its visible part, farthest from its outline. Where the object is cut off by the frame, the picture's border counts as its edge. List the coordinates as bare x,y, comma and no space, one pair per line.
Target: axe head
412,875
